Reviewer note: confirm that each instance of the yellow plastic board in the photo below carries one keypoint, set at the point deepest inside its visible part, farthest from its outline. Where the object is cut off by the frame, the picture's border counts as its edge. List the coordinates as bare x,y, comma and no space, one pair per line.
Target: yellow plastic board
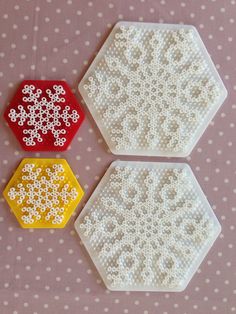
43,193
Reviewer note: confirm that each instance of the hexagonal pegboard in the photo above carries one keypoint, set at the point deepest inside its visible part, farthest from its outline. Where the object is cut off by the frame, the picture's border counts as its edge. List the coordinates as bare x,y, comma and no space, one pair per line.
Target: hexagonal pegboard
147,226
152,89
44,115
43,193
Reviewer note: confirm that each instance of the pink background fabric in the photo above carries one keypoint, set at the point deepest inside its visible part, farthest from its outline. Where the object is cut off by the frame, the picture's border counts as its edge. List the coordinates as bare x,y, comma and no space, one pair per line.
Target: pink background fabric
48,271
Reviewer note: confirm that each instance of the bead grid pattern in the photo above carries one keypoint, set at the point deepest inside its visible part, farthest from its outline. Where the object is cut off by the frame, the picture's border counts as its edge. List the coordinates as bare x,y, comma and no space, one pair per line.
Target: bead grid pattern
43,193
44,116
152,89
147,226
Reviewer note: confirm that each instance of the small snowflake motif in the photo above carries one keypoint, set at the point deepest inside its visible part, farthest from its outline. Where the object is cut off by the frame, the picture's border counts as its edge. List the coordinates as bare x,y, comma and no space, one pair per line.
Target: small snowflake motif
40,115
42,194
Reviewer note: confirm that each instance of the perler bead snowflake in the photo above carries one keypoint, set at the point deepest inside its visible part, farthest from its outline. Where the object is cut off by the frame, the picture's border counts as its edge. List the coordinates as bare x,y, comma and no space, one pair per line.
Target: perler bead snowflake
43,193
147,226
152,89
44,115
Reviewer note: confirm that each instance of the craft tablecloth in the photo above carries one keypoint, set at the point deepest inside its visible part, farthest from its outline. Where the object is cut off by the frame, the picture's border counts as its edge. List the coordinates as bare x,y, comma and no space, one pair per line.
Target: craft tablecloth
48,271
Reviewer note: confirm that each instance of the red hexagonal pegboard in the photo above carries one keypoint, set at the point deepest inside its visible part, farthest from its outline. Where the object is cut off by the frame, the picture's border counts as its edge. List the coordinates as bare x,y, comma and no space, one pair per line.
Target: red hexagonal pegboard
44,115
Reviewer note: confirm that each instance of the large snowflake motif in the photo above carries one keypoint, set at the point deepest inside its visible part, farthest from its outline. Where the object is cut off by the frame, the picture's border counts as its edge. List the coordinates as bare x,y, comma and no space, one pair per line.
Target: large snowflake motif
42,195
151,90
43,115
146,227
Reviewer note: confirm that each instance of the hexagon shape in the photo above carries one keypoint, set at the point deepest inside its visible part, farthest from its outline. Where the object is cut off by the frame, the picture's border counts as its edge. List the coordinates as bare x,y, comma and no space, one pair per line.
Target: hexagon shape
44,115
152,89
147,226
43,193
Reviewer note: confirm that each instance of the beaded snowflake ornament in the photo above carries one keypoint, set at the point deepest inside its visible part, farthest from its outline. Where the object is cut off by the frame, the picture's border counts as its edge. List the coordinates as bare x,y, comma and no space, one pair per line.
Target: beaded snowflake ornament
147,226
44,115
43,193
152,89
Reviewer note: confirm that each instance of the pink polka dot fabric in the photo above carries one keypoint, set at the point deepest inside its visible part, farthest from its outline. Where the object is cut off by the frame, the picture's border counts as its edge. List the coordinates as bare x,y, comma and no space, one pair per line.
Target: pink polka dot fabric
49,271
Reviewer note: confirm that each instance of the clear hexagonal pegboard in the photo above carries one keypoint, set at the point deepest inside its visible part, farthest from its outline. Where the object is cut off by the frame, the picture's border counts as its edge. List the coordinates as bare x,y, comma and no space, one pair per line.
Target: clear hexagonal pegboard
147,226
152,89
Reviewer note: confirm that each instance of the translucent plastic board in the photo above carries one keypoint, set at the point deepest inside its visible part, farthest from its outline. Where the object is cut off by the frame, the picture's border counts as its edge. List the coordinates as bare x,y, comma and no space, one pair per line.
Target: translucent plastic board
43,193
147,226
152,89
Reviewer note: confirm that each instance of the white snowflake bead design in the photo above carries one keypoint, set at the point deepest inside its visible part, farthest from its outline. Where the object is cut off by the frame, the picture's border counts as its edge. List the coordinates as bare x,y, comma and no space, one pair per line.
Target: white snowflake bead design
43,115
147,226
42,194
152,89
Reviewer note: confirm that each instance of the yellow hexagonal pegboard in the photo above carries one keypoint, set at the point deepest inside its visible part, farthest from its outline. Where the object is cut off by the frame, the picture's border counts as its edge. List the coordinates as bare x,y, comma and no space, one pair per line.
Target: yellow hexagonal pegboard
43,193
